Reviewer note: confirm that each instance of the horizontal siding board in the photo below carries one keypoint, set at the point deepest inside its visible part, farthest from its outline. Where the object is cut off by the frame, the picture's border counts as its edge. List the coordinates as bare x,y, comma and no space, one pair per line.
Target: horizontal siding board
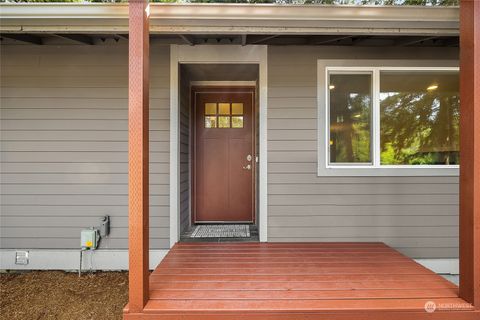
79,221
292,123
372,189
292,113
78,82
432,210
65,135
49,167
80,178
64,145
82,55
404,242
368,231
430,253
88,157
74,146
298,145
67,232
67,70
293,92
414,250
86,210
289,178
77,199
292,156
362,221
73,243
71,124
287,103
68,92
77,189
298,134
77,103
295,167
72,114
79,135
362,199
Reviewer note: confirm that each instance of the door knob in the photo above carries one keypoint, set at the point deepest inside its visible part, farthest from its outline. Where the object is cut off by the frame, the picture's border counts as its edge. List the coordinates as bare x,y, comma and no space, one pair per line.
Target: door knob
247,167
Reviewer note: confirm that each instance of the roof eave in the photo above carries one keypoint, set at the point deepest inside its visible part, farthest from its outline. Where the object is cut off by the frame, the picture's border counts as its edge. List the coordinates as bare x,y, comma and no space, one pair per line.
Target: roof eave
232,19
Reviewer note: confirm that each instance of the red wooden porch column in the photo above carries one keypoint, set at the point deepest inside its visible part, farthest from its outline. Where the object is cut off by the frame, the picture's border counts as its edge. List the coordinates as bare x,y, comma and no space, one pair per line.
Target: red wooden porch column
138,86
470,151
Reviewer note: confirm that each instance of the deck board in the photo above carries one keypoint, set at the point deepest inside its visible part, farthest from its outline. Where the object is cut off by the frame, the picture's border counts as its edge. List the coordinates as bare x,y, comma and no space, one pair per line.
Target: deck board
247,278
293,304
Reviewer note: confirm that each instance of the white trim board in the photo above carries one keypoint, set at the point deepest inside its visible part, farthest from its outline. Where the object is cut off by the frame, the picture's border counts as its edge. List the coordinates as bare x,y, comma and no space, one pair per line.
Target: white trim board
232,18
67,259
324,66
441,266
215,54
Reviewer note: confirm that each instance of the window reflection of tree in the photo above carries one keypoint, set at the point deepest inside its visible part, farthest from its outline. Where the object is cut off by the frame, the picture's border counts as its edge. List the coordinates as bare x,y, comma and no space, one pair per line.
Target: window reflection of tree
419,126
350,114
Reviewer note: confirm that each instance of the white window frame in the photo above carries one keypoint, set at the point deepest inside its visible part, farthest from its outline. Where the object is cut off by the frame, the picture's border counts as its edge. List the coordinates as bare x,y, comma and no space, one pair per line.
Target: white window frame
325,168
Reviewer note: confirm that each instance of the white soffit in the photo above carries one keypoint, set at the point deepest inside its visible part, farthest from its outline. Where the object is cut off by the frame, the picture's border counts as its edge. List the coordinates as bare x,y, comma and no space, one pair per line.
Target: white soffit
232,19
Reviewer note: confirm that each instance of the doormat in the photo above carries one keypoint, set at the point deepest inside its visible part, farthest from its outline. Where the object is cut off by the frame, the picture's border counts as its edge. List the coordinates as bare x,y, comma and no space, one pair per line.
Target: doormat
221,231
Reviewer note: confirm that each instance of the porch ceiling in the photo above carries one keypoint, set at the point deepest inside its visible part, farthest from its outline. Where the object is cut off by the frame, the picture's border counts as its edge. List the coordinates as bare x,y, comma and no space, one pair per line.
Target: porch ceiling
233,39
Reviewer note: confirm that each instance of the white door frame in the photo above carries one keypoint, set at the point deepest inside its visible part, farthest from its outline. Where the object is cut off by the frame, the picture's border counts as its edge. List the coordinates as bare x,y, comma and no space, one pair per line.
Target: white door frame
181,54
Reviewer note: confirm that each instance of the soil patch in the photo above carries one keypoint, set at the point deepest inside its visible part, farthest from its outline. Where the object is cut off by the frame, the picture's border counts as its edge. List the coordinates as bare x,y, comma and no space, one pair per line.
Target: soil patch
61,295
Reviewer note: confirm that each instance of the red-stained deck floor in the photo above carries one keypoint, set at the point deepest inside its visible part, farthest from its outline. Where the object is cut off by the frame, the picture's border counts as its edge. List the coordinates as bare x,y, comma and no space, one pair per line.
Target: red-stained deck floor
297,281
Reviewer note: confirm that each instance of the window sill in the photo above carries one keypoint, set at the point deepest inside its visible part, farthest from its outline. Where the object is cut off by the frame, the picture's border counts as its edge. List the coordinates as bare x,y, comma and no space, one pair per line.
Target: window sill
388,171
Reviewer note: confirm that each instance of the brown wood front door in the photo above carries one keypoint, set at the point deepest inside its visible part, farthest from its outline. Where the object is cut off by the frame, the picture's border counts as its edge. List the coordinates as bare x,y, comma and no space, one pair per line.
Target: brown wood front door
223,154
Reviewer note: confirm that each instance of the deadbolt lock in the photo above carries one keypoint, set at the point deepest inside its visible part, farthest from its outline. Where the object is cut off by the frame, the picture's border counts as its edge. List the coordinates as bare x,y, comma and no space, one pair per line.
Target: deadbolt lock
249,157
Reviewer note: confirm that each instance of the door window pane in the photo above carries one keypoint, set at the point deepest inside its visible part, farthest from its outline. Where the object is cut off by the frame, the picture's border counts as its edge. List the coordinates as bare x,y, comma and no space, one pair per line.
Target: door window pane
237,108
420,115
224,108
210,108
350,97
224,122
210,122
237,122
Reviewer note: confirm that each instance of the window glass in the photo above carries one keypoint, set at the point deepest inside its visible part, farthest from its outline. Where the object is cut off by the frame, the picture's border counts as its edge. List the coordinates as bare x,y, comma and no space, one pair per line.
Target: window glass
350,97
224,122
237,108
237,122
224,108
210,122
210,108
419,118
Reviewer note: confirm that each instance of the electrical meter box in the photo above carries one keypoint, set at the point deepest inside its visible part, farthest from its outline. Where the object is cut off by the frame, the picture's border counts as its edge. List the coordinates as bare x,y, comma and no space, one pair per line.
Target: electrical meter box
88,239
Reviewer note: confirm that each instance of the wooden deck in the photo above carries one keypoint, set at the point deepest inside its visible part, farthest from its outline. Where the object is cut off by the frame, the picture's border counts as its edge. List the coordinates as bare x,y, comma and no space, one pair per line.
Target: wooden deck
297,281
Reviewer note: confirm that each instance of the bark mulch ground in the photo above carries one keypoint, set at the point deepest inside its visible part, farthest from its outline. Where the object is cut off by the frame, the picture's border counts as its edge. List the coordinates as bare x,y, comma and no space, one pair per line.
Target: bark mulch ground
60,295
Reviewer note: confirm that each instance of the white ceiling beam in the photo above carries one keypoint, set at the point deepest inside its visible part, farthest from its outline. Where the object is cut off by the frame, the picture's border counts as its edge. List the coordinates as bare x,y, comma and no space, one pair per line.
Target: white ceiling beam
243,39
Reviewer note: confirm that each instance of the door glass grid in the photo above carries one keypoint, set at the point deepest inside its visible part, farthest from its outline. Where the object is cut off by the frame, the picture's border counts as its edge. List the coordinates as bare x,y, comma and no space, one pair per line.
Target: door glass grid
223,115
